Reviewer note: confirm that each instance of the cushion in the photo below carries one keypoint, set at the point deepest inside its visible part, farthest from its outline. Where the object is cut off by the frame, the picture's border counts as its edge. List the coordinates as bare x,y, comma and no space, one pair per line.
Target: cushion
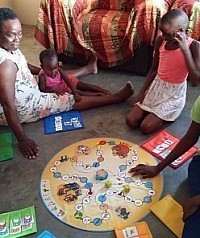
104,25
121,5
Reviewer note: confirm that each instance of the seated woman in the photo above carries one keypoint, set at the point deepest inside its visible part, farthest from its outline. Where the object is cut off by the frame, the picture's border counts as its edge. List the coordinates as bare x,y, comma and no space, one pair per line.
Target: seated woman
20,98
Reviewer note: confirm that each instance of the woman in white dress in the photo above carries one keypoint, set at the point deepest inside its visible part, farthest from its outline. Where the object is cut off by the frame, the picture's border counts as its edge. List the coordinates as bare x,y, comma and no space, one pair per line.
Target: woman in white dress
20,98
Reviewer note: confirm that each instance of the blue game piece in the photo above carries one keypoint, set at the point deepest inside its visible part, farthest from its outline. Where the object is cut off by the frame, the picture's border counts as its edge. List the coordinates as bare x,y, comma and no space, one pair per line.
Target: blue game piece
148,184
57,175
147,199
46,234
88,185
97,222
102,198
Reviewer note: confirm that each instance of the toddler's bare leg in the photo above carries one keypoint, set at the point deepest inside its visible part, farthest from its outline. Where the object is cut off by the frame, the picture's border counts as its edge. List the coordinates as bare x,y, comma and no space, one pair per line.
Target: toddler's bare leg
87,102
82,86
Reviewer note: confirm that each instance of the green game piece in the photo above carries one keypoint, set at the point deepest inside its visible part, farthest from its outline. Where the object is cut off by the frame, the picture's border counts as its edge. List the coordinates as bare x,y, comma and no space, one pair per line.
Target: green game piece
6,146
78,215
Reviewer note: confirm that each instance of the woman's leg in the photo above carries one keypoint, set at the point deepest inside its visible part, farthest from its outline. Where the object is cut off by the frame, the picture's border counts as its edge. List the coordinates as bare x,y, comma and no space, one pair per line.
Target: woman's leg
90,68
82,86
135,117
192,224
88,102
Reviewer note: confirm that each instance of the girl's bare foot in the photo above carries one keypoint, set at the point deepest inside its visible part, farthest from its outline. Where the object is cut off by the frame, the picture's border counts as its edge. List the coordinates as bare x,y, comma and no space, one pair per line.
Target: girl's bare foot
92,65
125,92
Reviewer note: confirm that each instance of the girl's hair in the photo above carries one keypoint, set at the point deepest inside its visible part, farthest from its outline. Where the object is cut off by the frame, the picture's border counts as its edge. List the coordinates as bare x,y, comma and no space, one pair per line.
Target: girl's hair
6,14
47,54
177,16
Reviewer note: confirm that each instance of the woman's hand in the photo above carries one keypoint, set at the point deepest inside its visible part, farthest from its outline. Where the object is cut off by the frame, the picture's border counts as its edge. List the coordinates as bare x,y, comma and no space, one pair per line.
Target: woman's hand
191,206
28,148
145,170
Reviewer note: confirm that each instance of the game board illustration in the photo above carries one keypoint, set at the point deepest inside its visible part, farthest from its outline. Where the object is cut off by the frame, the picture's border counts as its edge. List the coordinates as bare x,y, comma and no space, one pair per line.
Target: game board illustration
88,185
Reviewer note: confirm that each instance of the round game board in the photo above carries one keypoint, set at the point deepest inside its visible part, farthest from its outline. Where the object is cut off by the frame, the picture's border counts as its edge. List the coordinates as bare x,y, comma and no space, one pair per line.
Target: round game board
87,184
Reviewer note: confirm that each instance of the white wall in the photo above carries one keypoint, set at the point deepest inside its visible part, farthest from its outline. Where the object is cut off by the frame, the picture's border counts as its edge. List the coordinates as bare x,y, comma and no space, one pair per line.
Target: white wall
27,10
6,3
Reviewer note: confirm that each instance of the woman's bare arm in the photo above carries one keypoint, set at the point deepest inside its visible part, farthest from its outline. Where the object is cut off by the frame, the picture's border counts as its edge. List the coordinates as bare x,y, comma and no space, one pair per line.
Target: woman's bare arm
34,69
8,72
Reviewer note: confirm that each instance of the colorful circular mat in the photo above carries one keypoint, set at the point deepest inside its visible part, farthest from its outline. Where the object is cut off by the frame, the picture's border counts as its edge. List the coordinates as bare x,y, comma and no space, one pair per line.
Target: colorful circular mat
88,185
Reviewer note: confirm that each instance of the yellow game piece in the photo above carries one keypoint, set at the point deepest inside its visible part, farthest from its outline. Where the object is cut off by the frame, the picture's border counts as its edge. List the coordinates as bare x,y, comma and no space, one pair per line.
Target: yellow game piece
127,188
108,184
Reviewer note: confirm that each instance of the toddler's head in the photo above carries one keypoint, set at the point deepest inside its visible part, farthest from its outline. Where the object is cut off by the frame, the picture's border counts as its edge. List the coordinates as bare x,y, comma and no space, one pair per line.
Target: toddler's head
173,22
49,62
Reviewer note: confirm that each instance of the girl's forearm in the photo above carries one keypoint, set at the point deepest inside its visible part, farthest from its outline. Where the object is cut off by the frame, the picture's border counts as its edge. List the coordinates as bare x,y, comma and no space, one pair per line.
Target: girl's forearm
184,145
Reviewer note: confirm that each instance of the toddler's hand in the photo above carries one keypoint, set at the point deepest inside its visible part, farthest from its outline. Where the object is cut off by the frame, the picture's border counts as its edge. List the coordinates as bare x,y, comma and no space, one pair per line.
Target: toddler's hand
77,97
59,92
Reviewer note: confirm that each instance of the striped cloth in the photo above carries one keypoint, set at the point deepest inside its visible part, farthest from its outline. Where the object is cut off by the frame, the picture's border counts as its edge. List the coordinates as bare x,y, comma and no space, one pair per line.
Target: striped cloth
111,29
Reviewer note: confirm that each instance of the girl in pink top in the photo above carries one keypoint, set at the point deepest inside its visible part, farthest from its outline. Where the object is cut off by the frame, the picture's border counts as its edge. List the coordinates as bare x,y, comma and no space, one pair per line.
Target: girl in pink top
52,79
163,95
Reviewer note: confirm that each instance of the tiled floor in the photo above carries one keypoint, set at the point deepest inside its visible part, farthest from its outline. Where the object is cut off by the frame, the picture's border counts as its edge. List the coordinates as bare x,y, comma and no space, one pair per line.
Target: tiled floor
20,178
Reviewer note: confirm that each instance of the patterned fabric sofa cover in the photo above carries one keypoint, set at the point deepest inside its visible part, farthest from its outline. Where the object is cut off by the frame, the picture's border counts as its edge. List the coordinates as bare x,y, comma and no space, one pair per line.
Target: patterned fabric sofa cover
111,29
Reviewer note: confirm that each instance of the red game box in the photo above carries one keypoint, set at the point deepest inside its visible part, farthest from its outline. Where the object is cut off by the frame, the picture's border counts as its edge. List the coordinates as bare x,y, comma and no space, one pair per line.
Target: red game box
162,144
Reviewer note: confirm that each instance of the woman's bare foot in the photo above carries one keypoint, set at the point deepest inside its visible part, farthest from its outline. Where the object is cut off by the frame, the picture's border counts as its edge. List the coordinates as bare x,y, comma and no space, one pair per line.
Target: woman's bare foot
125,92
92,65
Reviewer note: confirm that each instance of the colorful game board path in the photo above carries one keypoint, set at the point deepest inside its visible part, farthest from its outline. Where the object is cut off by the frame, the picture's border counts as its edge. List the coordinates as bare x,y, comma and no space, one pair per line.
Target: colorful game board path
87,184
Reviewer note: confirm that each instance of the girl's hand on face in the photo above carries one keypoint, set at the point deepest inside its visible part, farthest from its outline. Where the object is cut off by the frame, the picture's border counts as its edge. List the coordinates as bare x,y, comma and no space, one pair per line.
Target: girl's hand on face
181,38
